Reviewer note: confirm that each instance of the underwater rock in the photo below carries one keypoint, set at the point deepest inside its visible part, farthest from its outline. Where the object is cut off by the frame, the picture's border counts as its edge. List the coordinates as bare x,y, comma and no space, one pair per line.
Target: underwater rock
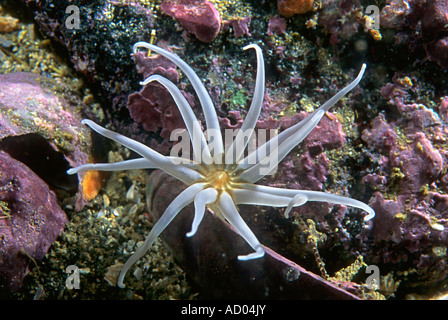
153,106
233,121
156,64
381,136
420,164
408,228
437,51
327,135
434,16
443,109
41,129
8,24
30,220
276,25
240,26
393,14
340,18
100,46
409,186
198,17
210,256
413,160
420,23
387,227
288,8
311,171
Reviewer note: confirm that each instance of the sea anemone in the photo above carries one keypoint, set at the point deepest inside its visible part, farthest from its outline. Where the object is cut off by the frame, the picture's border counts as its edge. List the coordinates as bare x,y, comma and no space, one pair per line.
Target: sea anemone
222,177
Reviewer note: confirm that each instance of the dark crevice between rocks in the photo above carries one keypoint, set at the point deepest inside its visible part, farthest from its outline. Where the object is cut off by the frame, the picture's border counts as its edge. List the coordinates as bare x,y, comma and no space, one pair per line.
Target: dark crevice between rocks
49,164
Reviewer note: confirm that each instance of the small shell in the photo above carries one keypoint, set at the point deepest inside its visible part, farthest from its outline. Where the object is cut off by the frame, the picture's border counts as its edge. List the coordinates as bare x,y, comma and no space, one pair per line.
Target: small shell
133,210
130,194
138,273
106,200
112,273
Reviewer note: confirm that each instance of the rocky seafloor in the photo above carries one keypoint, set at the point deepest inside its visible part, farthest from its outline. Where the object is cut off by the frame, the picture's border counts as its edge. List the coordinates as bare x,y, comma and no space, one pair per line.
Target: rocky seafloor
384,144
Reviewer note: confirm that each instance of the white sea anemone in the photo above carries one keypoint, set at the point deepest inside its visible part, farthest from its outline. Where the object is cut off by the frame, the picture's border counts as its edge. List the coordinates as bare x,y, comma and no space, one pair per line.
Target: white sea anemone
217,176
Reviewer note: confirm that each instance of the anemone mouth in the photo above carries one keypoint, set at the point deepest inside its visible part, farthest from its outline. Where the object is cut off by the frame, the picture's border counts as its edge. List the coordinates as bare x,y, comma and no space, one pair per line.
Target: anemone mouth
221,180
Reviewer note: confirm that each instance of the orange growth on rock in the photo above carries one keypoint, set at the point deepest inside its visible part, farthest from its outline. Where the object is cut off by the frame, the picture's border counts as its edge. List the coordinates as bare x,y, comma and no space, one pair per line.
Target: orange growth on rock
288,8
9,24
92,182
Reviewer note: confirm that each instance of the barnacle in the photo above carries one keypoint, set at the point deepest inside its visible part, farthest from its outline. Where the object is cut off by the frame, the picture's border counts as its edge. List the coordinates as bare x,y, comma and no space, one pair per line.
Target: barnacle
217,176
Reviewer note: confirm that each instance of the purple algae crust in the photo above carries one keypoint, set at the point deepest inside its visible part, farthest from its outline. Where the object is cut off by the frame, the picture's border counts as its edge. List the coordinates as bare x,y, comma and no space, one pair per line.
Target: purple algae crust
419,23
153,107
409,185
28,105
30,220
199,17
